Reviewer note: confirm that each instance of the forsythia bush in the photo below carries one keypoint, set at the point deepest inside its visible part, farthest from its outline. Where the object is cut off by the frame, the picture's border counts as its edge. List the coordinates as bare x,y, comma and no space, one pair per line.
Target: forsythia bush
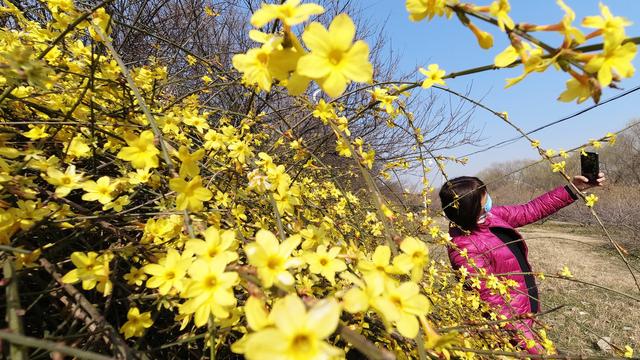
189,228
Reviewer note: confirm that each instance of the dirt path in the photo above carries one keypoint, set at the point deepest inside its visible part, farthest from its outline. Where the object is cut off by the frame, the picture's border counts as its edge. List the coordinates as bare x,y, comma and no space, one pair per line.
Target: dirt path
588,312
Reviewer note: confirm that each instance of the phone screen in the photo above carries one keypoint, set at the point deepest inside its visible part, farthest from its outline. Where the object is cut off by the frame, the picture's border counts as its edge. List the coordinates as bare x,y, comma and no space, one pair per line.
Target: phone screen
590,166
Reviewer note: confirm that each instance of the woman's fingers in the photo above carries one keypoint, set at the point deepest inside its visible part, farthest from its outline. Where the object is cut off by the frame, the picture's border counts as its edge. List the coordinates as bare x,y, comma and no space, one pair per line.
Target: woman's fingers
581,178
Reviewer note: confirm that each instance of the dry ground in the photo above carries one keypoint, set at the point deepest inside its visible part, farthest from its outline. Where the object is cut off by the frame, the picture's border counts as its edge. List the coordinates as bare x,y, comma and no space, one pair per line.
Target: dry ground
588,313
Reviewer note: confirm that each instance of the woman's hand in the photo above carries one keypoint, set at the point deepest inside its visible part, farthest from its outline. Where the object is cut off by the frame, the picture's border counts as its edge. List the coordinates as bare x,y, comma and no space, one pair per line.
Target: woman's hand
582,183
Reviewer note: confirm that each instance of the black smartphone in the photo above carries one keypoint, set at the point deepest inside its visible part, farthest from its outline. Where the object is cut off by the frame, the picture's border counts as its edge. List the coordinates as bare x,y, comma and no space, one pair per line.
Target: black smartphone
590,166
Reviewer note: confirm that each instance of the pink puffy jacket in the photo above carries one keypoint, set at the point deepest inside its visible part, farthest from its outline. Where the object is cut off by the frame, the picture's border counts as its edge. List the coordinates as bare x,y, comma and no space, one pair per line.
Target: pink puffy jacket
491,253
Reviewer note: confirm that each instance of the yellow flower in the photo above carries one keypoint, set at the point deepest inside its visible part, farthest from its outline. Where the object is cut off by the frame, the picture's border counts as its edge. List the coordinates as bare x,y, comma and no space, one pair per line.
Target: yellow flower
191,195
168,273
591,200
272,60
136,323
325,262
240,151
628,351
258,181
535,143
101,190
61,5
257,317
614,59
420,9
570,33
611,26
215,243
290,13
79,148
313,236
135,276
576,90
401,304
563,154
434,231
189,162
611,138
210,290
100,18
559,166
272,259
414,257
141,176
254,65
141,151
27,260
324,111
379,266
363,295
485,40
386,100
64,182
29,212
287,197
92,269
334,61
533,60
506,57
368,158
117,204
37,132
500,9
210,12
86,267
197,121
433,76
298,334
565,272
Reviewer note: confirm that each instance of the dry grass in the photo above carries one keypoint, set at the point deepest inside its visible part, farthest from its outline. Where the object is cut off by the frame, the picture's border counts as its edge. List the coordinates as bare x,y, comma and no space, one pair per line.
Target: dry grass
588,313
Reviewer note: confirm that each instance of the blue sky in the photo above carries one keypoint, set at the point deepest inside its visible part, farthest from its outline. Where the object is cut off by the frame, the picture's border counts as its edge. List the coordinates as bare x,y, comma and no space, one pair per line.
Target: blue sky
530,103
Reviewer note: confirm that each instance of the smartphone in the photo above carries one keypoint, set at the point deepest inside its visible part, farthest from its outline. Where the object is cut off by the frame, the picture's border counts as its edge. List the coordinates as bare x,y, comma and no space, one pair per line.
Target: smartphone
590,167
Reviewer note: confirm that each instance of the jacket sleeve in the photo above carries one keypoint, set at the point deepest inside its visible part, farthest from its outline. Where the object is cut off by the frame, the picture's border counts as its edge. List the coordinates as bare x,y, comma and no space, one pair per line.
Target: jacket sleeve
536,209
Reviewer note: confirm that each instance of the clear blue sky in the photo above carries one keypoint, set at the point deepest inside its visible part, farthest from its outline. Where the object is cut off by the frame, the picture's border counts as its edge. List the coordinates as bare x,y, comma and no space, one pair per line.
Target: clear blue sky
530,103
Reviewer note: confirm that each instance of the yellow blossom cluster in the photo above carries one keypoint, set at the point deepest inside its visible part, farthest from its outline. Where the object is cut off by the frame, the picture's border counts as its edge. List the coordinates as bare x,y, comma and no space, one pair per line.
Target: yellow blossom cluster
589,72
192,226
331,58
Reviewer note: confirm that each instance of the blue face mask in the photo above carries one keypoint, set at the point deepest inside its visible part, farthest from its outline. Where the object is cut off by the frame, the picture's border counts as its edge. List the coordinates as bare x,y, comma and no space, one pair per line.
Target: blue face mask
487,205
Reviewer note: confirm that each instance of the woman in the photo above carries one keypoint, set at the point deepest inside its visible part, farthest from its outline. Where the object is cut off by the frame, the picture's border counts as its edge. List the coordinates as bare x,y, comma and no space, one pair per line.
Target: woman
488,235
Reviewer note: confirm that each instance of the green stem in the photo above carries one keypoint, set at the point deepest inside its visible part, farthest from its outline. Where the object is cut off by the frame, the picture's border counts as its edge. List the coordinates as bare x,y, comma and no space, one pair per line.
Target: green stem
50,346
16,351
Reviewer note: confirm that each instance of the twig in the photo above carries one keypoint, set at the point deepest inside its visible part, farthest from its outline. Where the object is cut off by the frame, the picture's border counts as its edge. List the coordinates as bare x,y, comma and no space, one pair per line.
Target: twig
122,349
363,345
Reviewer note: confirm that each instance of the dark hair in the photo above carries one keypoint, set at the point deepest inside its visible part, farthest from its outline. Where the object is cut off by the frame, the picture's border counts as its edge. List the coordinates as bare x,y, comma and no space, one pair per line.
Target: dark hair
461,200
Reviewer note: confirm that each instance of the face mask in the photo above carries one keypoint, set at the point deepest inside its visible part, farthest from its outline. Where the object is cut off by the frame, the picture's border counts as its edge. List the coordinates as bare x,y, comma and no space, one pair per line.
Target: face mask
487,205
